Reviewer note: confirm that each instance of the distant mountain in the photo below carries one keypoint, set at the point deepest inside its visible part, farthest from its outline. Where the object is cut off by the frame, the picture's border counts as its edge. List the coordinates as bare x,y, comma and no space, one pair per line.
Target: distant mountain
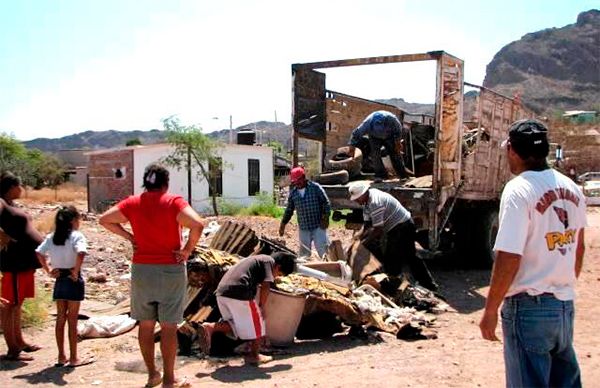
555,69
409,107
266,131
95,140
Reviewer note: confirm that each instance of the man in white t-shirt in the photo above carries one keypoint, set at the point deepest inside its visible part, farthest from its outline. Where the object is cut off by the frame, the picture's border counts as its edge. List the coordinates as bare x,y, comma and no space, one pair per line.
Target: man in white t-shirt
539,255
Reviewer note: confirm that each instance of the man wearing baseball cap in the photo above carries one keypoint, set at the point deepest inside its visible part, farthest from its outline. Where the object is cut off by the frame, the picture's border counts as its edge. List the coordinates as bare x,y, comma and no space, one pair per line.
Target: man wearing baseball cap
312,208
539,255
383,130
389,224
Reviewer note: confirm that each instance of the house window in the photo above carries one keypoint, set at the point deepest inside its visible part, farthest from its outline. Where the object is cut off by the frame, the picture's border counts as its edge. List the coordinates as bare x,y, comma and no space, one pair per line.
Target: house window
215,172
120,172
253,177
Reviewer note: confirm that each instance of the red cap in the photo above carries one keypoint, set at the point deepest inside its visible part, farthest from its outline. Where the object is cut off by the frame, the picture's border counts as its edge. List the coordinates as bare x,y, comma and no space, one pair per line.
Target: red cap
296,174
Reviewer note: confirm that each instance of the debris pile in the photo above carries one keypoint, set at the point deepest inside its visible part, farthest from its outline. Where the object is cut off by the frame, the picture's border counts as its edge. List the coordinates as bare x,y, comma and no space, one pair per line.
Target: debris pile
371,300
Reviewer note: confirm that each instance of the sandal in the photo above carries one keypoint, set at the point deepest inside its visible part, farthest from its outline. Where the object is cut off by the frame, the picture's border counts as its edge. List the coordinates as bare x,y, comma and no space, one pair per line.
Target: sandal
31,348
154,382
261,359
16,357
179,383
85,361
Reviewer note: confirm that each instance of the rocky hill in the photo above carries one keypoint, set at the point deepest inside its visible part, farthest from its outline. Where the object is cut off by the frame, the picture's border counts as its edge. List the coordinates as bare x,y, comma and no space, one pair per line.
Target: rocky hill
555,69
266,131
95,140
410,107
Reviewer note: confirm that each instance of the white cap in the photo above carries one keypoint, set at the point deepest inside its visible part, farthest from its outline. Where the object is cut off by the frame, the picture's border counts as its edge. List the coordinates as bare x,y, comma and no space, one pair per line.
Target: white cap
357,189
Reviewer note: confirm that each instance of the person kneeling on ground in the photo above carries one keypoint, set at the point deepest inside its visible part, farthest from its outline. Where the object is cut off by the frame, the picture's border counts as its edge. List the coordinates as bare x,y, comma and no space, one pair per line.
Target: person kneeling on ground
236,298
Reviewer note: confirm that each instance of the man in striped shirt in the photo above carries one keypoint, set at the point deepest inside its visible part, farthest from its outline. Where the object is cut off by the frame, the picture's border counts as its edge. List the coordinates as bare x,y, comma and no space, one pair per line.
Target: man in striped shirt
388,222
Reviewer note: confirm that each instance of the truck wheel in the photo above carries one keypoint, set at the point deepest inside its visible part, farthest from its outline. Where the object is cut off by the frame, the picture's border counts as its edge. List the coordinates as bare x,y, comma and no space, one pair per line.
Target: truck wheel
475,237
334,178
484,232
341,160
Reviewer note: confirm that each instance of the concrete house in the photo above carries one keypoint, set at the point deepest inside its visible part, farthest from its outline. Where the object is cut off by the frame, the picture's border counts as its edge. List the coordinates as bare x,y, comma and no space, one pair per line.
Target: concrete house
114,174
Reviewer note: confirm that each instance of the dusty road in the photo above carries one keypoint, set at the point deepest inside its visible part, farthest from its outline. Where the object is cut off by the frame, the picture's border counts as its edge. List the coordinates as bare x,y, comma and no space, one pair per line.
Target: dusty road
458,358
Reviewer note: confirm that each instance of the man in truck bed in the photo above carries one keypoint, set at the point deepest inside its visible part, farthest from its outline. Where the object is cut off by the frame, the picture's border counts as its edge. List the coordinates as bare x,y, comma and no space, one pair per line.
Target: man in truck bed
384,130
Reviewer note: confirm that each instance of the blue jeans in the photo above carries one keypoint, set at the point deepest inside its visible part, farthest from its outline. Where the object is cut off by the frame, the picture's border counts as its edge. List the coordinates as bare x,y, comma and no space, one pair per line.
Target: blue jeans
307,237
538,342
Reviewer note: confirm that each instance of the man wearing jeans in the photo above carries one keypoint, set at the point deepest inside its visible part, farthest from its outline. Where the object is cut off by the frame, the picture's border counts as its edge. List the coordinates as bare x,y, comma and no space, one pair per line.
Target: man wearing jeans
384,130
539,255
312,206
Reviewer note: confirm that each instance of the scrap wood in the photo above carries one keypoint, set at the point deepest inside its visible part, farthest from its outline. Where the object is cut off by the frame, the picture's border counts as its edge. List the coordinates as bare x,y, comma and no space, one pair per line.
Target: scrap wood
362,261
201,315
335,251
269,245
342,307
234,237
295,283
420,182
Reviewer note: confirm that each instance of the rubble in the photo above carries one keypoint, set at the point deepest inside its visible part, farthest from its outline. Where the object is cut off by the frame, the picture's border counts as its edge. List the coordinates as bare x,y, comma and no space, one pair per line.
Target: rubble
371,301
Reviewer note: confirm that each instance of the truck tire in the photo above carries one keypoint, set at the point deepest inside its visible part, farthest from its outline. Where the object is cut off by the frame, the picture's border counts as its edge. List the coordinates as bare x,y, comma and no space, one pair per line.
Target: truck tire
475,237
341,160
334,178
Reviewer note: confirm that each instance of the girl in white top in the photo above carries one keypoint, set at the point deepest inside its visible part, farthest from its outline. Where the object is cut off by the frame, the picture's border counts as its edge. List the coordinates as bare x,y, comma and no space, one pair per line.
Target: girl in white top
66,249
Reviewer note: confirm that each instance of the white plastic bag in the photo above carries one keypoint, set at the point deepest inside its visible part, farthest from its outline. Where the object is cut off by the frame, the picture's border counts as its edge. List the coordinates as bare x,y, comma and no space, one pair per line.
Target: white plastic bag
105,326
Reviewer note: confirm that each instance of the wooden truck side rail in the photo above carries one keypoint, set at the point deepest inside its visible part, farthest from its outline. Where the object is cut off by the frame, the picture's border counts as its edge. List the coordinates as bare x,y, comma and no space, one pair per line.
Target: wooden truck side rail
485,170
310,120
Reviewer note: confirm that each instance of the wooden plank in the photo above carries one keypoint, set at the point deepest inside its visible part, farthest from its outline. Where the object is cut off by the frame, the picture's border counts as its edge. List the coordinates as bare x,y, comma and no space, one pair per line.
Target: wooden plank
236,230
432,55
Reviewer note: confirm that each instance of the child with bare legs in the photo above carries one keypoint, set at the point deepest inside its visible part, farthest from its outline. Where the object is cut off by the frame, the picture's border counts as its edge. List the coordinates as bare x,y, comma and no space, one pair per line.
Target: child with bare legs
243,317
66,249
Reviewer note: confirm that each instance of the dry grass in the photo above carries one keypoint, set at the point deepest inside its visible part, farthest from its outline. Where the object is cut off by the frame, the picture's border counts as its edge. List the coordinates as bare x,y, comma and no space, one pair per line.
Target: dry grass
44,223
67,192
35,311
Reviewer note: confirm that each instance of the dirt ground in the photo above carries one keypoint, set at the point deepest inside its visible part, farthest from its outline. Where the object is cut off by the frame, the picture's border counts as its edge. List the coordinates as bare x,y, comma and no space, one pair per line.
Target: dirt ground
458,358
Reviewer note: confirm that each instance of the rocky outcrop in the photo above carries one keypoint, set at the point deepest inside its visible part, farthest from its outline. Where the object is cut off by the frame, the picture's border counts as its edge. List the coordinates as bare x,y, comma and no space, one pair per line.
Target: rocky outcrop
554,69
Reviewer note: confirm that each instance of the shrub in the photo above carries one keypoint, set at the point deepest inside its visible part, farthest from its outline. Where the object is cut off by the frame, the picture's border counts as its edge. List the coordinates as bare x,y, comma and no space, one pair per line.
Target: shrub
228,208
263,206
35,311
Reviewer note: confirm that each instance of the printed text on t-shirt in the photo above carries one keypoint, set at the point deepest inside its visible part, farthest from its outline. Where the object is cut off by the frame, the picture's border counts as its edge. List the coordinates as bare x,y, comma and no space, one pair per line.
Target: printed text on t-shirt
554,195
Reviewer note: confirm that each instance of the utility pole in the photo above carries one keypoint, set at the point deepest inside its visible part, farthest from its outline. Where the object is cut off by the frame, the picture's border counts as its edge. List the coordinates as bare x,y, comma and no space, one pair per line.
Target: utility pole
230,129
189,174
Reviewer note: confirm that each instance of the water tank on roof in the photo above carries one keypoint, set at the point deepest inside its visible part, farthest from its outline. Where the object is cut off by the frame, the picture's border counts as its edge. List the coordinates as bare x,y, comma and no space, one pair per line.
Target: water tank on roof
246,137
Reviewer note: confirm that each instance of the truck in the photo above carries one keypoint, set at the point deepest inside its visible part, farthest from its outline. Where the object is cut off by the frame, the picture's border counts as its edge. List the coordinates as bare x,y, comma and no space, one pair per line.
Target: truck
459,165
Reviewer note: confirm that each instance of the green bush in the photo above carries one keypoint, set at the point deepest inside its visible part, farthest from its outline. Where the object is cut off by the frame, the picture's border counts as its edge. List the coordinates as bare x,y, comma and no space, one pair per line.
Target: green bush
35,311
263,206
228,208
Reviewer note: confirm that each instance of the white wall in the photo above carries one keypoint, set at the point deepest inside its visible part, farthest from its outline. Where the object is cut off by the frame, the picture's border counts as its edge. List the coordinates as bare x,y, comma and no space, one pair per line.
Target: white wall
235,173
143,156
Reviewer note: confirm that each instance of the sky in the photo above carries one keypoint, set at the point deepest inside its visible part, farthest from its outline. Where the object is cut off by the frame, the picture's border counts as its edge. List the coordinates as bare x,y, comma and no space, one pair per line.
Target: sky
71,66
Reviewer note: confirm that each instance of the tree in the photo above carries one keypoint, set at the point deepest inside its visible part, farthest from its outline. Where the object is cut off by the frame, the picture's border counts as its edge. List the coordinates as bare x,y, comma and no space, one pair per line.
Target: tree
133,142
12,155
52,173
36,168
278,148
191,146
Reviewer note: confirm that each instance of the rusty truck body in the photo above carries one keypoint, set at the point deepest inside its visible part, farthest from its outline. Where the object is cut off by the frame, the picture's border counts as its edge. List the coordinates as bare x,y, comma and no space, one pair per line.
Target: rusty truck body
454,197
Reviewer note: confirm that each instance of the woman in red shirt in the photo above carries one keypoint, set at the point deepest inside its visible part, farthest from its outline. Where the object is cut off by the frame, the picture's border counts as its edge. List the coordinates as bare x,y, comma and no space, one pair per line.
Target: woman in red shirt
158,273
